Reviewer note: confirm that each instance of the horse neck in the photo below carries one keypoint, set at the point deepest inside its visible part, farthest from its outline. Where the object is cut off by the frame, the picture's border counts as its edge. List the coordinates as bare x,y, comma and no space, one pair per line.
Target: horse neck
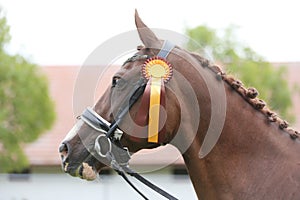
251,158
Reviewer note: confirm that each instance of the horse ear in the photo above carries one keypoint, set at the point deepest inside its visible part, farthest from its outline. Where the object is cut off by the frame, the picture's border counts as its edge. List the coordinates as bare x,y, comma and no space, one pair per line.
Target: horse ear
148,38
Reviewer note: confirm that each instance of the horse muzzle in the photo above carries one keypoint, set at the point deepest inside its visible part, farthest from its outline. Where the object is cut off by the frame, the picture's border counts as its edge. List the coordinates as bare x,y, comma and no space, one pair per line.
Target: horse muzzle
82,170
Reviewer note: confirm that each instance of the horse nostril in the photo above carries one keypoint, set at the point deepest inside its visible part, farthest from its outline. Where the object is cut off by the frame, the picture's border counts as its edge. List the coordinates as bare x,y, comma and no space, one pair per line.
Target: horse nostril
63,150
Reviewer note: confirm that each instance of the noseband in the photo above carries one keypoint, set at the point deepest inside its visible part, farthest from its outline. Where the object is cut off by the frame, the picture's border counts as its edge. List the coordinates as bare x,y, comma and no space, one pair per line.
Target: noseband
108,145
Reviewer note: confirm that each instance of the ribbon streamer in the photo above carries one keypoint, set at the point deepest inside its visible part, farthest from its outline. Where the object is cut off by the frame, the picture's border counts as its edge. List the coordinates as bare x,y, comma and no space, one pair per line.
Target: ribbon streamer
154,109
157,71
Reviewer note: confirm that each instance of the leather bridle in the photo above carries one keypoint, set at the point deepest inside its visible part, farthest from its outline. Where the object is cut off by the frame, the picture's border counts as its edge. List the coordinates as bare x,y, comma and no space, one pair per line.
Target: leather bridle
108,145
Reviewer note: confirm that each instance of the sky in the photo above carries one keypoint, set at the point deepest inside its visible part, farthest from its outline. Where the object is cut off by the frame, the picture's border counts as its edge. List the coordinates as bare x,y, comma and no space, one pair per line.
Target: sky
65,32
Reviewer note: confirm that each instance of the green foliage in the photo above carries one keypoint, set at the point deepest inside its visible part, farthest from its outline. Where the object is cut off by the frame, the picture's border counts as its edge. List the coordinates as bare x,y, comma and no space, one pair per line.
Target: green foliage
244,63
4,32
26,107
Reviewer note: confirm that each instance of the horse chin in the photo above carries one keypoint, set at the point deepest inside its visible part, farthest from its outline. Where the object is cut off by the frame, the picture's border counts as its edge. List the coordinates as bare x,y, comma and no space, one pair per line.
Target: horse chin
89,169
83,171
87,172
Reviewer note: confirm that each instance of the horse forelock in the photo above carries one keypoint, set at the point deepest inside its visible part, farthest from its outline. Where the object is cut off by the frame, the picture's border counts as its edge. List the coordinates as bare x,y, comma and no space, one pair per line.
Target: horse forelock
249,94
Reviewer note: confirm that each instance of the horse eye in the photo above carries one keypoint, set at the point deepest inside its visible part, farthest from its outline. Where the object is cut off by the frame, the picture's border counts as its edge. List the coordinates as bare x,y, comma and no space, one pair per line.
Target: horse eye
115,81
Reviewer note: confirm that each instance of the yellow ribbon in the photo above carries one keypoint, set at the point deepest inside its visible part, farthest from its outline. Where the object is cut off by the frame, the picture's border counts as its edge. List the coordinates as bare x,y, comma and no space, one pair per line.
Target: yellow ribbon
154,107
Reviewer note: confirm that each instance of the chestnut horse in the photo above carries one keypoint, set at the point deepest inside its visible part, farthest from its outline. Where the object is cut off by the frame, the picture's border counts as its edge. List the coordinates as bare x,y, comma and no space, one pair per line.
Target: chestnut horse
233,146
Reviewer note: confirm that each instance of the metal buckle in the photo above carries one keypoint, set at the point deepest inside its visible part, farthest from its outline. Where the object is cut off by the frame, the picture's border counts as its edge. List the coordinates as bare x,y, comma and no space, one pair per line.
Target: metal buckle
102,146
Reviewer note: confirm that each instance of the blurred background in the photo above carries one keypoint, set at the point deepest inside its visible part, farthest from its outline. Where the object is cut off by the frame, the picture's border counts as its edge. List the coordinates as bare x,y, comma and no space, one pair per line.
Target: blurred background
43,45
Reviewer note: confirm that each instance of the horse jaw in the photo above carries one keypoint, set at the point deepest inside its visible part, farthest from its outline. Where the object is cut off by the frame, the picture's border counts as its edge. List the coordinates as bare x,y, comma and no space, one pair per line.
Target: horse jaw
148,38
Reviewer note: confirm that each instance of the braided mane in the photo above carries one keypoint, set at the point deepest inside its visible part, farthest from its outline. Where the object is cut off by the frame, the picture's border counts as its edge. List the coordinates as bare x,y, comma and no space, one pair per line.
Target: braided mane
250,95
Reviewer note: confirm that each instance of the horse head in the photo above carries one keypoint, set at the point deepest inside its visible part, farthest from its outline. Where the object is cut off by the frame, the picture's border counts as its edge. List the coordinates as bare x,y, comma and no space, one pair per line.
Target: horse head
131,93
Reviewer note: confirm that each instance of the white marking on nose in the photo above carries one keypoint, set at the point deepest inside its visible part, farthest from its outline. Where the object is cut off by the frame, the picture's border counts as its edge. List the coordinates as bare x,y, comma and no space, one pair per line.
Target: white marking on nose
66,167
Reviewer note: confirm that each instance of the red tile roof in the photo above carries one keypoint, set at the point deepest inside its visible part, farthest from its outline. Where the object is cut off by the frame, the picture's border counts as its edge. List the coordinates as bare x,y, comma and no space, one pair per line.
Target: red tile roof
62,80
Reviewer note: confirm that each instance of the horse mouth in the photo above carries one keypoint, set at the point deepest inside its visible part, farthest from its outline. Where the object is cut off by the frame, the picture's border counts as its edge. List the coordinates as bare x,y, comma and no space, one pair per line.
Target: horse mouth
83,171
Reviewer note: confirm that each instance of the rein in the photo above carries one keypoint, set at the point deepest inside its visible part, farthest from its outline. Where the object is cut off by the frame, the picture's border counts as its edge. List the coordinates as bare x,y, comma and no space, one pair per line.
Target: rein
108,145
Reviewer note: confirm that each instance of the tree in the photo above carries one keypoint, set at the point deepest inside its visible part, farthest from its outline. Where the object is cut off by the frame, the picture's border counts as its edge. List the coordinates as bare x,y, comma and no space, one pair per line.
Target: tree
26,109
244,63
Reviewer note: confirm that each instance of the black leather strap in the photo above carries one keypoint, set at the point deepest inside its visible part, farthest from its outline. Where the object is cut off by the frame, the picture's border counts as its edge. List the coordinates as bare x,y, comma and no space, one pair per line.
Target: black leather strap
148,183
166,49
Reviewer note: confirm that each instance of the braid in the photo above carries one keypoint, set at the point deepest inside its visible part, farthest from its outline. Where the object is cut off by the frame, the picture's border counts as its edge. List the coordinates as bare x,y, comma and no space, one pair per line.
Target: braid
249,94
